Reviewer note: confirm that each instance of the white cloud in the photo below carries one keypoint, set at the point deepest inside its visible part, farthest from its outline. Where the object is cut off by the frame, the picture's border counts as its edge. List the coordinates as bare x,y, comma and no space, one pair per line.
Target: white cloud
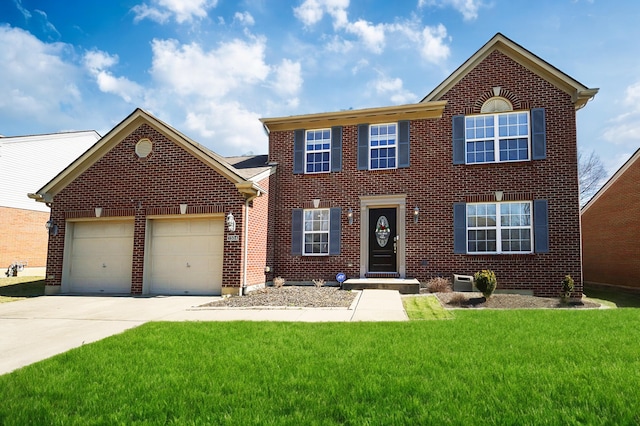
190,70
468,8
310,12
233,129
288,78
143,11
394,90
244,18
182,10
433,47
624,129
372,36
97,63
215,93
35,79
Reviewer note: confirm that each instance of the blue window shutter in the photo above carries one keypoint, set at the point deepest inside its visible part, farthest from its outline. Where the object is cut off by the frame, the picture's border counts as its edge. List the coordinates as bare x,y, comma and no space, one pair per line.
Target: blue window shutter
457,130
363,147
403,144
298,151
460,228
538,134
334,230
296,232
541,226
336,148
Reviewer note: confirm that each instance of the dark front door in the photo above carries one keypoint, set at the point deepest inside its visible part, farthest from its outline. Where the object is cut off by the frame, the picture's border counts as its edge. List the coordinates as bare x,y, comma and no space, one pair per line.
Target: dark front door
382,240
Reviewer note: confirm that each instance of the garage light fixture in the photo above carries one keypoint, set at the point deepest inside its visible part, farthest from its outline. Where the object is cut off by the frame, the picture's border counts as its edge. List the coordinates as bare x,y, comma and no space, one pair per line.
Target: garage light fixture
51,227
231,222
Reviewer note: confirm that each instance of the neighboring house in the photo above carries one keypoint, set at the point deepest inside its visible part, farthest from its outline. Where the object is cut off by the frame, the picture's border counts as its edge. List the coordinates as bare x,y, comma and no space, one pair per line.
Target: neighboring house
28,162
481,174
149,211
611,230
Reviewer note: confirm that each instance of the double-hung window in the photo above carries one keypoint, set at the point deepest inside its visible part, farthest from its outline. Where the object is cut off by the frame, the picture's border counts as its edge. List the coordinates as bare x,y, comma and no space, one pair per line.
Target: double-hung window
318,151
499,227
316,232
383,146
501,137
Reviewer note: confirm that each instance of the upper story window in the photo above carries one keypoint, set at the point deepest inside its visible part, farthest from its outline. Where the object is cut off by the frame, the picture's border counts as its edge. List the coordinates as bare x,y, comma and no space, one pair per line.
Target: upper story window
501,137
383,146
318,151
499,227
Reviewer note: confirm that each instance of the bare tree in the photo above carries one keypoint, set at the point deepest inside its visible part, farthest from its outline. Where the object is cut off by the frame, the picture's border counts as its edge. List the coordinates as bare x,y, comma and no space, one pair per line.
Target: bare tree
591,175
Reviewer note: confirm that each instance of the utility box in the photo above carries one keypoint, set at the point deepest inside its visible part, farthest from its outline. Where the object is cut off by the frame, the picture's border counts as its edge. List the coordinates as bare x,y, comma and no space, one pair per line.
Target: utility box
462,282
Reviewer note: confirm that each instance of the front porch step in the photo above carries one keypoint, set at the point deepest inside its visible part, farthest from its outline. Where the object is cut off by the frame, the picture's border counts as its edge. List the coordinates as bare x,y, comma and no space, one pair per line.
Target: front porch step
404,286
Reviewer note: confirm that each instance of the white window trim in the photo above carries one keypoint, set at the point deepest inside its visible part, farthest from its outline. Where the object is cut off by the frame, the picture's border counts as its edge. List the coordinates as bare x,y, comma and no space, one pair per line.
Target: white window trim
499,227
496,138
305,232
328,150
396,146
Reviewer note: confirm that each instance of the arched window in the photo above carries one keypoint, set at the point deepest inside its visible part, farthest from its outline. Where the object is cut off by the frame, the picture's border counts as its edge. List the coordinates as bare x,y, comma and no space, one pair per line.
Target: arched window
496,104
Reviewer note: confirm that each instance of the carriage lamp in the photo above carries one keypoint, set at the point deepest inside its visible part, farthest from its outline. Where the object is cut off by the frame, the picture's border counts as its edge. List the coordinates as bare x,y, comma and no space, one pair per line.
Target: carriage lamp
51,227
231,222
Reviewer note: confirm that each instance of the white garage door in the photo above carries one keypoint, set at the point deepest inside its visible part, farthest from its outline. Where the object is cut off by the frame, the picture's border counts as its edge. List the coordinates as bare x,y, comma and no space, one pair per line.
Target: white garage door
186,256
101,256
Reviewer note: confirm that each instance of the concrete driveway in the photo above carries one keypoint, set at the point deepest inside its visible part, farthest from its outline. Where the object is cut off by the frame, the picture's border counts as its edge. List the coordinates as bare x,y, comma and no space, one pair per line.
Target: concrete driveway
38,328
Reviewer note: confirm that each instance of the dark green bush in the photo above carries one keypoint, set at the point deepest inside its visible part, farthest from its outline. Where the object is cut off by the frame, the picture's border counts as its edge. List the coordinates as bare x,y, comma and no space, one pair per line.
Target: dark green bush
485,281
567,288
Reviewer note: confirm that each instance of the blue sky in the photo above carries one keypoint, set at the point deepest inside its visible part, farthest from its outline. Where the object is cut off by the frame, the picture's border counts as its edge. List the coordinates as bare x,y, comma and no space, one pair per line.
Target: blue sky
212,68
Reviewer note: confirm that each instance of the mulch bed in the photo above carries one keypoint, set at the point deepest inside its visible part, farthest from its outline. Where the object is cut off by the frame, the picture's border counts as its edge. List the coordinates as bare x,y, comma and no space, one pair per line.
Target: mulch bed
508,301
290,296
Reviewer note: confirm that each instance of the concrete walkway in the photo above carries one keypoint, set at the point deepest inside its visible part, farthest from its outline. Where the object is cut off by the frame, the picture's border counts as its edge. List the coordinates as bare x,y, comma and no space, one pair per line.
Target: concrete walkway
38,328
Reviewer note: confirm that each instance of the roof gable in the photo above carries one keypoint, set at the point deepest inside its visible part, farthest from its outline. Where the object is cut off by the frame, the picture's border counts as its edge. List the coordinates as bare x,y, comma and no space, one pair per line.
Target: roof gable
634,161
580,94
124,128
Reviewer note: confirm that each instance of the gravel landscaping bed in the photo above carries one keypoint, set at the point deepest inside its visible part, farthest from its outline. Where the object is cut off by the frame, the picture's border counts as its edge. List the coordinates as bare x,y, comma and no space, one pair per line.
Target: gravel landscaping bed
290,296
506,301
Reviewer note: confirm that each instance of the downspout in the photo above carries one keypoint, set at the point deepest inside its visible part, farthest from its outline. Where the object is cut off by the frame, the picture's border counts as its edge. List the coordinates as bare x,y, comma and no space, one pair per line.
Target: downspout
245,248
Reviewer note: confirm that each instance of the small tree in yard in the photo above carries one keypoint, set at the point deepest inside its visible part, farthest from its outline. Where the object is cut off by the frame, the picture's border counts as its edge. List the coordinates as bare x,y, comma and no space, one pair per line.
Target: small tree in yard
485,281
567,288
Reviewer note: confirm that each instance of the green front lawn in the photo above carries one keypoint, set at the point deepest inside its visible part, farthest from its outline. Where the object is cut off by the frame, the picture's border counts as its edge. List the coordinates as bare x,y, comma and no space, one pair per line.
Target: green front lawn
483,367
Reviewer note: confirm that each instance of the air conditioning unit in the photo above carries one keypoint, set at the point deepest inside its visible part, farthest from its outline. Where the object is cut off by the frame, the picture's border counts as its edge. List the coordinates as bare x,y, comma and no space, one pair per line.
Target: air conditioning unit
463,283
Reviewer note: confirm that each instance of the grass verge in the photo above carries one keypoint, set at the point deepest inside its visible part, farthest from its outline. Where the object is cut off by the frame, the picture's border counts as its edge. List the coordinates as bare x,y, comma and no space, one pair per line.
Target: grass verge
425,308
484,367
16,288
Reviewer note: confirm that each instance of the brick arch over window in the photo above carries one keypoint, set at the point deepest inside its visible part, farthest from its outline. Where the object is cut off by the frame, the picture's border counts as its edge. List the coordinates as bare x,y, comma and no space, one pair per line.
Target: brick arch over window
501,92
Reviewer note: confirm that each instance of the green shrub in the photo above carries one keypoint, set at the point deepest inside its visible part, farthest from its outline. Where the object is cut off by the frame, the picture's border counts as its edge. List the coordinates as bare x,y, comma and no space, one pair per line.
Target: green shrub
567,288
485,281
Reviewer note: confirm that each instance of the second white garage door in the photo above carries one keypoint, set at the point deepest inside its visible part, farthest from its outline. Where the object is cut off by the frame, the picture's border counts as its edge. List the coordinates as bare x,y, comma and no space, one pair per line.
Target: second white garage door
186,256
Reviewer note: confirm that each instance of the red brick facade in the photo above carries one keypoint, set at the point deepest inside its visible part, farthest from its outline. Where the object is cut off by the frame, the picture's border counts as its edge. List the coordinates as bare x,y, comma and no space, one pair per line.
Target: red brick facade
434,184
611,230
127,186
23,237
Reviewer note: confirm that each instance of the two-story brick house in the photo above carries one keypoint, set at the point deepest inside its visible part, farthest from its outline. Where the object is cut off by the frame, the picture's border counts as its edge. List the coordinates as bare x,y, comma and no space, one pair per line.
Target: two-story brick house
481,174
